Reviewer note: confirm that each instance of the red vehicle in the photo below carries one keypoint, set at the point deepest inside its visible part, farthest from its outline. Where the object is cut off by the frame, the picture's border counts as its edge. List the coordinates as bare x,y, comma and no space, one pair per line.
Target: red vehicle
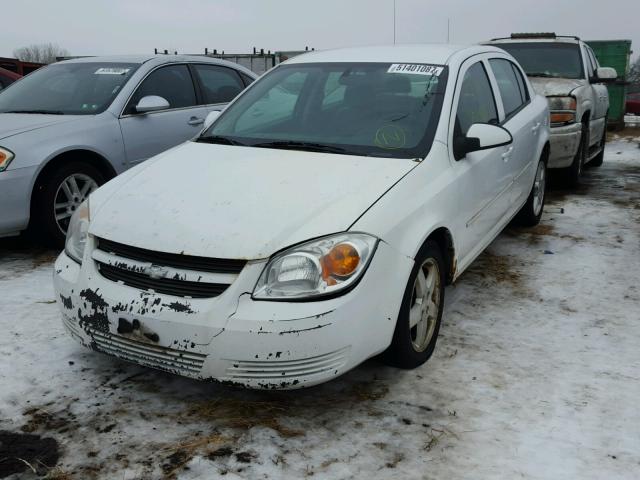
632,105
7,77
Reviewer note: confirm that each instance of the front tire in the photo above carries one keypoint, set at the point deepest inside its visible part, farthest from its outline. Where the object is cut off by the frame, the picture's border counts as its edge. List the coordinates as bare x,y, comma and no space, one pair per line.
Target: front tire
531,212
574,172
599,159
418,324
59,195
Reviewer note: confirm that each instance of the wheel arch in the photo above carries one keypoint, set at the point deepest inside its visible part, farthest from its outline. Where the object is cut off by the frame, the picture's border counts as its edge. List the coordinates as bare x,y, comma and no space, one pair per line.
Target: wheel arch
88,156
444,239
546,150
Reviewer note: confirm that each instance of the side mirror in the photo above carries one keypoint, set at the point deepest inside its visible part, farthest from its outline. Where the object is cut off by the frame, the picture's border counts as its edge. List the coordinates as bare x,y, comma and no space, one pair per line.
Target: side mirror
211,118
481,136
151,103
605,75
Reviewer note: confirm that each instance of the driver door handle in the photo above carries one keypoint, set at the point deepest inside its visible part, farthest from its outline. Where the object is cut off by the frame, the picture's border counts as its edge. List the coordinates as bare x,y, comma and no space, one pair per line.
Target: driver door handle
195,121
506,155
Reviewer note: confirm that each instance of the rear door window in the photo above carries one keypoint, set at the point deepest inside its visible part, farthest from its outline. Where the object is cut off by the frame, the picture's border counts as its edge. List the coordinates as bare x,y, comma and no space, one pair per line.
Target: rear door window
510,84
219,84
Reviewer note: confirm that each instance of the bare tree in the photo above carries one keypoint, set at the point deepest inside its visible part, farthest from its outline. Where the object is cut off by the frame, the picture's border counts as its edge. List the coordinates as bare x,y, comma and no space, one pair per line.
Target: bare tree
634,76
40,53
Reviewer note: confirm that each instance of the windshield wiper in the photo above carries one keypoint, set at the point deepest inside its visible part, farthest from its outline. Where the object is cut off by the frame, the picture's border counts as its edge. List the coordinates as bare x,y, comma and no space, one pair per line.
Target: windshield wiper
306,146
541,74
43,112
220,140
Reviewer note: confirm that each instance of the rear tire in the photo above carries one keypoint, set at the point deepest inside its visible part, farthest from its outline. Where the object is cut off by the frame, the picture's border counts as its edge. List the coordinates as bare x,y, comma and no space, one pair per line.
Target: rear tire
418,324
531,212
58,195
574,172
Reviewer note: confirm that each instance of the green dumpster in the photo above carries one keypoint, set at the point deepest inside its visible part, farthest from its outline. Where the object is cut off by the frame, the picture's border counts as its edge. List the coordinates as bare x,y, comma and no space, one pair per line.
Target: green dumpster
614,53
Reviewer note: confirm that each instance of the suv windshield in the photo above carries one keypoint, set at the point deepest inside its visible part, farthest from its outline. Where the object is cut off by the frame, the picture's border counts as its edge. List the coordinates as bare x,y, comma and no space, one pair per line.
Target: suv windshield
547,59
373,109
67,88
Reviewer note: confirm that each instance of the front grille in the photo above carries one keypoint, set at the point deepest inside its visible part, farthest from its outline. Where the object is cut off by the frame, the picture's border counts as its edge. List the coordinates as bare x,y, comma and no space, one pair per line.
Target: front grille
155,356
169,286
176,260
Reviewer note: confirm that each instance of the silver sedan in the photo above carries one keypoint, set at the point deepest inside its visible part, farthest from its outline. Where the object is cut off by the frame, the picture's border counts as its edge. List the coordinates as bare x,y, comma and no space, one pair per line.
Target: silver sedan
70,127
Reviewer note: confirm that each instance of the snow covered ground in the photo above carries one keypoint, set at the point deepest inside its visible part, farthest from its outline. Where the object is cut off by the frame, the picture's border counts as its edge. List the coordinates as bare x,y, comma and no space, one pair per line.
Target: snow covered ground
536,374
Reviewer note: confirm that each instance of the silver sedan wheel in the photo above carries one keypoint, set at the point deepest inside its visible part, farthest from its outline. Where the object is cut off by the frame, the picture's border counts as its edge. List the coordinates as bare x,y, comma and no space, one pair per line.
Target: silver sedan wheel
70,194
539,189
425,305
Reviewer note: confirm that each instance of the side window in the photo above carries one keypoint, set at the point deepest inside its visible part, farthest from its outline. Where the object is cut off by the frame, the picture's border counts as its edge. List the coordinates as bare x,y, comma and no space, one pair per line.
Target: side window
510,90
247,79
173,83
521,83
333,91
219,84
278,105
592,59
476,103
591,68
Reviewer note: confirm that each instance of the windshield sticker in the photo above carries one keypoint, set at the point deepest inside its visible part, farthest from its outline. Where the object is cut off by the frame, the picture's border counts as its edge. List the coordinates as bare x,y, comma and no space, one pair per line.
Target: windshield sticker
390,137
112,71
415,68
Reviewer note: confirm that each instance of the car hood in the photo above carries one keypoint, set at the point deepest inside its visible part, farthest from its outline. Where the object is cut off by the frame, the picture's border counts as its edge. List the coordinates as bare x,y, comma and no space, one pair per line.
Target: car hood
238,202
555,86
15,123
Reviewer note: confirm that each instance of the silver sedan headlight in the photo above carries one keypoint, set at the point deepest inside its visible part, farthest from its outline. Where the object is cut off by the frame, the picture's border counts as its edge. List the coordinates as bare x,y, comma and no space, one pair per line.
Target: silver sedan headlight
317,268
78,232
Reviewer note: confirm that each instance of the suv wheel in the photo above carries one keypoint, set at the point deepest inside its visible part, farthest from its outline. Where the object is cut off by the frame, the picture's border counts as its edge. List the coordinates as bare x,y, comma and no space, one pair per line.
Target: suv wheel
574,172
599,159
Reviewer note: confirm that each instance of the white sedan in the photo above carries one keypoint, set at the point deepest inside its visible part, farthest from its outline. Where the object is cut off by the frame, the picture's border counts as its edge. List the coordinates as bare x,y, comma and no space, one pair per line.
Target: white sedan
315,223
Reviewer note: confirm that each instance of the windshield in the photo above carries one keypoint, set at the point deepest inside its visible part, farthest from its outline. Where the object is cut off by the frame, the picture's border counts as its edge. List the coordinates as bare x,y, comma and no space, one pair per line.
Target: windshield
67,88
373,109
551,59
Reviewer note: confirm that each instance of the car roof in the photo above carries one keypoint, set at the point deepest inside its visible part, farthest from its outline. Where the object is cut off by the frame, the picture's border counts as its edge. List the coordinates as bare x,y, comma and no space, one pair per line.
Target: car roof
159,60
436,53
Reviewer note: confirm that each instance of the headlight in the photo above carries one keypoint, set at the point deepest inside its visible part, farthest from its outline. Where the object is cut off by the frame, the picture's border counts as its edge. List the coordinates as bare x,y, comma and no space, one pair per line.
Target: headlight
77,232
316,269
5,158
562,110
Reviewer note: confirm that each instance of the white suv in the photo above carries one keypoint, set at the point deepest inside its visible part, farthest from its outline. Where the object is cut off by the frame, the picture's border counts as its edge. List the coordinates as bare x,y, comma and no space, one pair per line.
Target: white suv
566,71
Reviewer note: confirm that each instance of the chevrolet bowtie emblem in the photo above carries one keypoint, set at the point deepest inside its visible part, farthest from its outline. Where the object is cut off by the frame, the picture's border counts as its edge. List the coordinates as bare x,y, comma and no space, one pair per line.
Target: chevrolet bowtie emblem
156,271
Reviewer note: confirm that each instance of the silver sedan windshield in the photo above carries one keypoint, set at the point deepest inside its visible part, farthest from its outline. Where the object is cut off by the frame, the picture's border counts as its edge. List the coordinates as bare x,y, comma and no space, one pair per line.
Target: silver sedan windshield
67,88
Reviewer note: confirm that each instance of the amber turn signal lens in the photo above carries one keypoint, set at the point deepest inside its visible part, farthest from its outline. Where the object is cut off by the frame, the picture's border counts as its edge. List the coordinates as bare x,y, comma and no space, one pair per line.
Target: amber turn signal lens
562,117
5,158
341,261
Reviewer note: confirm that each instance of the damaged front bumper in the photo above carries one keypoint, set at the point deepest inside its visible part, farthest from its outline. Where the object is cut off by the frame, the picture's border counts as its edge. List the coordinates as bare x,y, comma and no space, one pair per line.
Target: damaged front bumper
565,141
232,338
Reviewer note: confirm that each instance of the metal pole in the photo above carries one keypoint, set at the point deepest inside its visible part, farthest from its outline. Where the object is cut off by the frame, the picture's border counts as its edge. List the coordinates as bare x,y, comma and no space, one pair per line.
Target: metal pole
394,22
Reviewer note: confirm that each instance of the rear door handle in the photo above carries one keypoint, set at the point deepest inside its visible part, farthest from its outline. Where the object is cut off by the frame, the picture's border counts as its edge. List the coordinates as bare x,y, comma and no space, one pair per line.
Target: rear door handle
195,121
506,155
535,128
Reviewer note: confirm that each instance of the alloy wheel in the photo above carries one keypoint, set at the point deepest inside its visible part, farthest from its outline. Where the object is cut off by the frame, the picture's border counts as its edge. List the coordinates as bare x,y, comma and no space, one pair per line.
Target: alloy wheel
425,305
70,194
539,188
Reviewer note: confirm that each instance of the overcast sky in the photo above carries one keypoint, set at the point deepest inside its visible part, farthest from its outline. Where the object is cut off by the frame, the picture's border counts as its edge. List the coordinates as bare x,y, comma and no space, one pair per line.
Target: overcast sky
97,27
